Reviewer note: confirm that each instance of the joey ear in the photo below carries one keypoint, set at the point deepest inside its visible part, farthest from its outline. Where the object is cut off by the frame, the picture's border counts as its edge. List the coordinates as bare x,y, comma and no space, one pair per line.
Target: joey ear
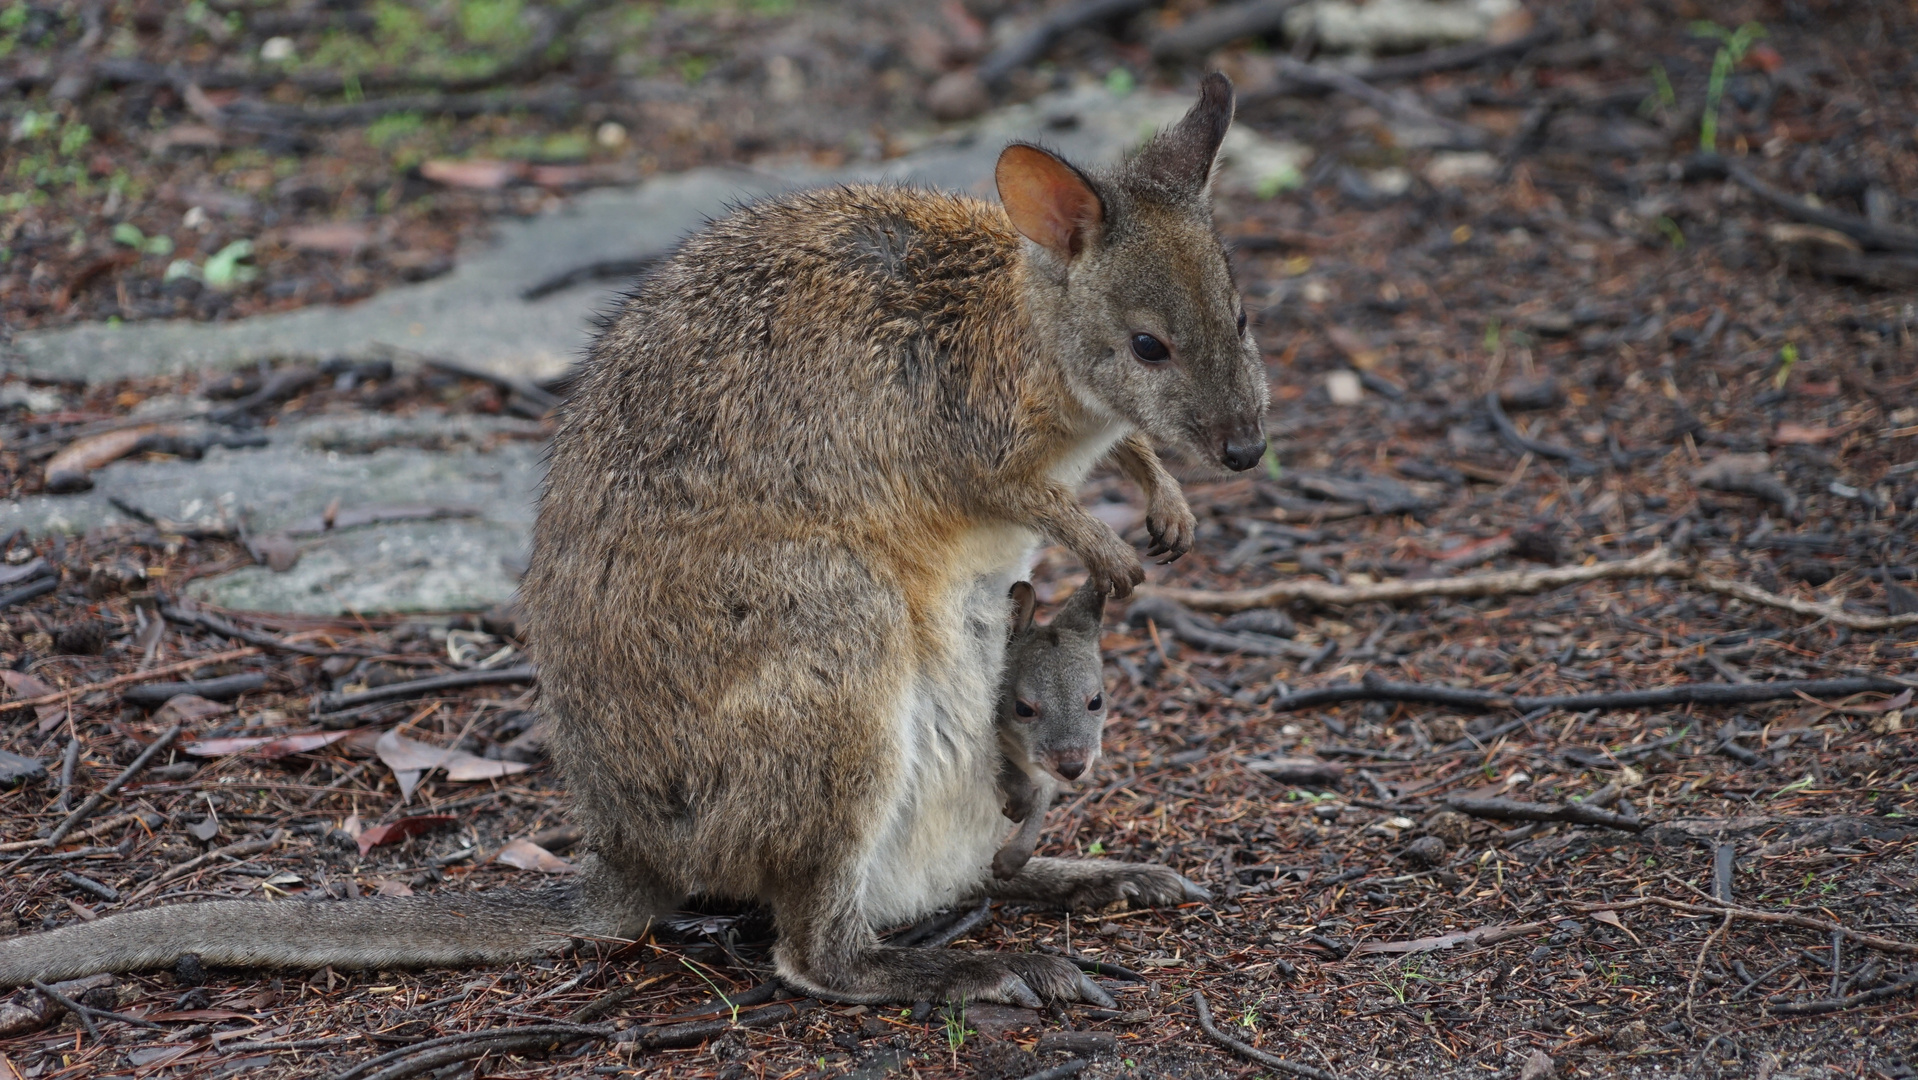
1179,159
1024,602
1084,610
1051,203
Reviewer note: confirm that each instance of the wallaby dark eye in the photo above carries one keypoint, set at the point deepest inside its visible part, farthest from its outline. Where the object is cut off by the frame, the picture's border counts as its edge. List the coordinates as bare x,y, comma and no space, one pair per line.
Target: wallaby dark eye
1150,349
1098,702
1242,321
1025,710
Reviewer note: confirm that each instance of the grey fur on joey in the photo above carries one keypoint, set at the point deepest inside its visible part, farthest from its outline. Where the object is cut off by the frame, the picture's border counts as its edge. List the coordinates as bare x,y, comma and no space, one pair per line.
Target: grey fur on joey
1052,712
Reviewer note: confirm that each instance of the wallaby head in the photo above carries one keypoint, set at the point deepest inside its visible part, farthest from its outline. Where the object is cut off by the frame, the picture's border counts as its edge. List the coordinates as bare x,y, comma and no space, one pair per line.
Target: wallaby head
1054,705
1132,280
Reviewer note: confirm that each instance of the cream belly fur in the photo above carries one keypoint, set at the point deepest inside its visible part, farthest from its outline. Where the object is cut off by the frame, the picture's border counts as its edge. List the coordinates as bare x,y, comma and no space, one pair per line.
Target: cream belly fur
946,823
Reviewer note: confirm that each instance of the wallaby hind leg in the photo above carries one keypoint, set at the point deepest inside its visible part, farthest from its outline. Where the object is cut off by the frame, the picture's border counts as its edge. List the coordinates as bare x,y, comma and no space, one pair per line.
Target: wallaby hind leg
828,949
1096,884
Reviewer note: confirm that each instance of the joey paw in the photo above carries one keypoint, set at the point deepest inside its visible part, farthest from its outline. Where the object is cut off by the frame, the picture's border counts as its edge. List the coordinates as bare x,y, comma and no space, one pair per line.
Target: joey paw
1008,861
1172,528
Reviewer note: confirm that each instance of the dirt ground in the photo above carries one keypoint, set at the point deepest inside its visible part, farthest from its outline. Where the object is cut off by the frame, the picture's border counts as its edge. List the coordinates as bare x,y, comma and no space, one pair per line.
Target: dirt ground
1681,365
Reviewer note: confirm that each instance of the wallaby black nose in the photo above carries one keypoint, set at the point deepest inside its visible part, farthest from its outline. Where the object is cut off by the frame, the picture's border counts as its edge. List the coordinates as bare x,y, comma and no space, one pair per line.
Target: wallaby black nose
1070,768
1241,452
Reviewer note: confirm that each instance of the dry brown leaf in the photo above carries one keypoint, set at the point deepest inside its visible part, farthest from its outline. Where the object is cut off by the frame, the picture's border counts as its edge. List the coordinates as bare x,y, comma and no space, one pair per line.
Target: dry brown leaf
82,456
410,759
267,747
530,856
480,174
188,709
394,831
333,238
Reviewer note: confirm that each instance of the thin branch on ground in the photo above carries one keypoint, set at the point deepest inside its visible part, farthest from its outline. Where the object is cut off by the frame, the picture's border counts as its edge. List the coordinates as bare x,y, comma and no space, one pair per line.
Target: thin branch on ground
93,801
1786,918
1574,813
1248,1052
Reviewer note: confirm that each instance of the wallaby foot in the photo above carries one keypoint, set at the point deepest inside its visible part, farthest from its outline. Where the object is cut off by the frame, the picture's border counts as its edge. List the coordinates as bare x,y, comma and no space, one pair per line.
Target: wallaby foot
1096,884
840,959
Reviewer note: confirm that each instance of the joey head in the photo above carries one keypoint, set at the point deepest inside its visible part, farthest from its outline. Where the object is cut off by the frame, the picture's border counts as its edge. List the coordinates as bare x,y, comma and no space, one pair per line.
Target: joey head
1052,712
802,466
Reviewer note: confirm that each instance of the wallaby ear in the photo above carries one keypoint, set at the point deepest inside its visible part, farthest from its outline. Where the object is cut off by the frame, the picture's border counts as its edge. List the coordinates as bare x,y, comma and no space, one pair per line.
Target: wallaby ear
1024,602
1084,610
1051,203
1180,158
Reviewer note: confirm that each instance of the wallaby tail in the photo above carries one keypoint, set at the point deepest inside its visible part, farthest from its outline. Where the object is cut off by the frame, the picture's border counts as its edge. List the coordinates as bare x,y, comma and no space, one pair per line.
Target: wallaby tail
375,932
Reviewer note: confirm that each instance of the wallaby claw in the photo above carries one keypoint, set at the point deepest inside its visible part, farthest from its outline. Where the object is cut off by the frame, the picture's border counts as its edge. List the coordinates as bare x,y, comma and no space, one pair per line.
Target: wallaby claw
1092,993
1018,993
1193,890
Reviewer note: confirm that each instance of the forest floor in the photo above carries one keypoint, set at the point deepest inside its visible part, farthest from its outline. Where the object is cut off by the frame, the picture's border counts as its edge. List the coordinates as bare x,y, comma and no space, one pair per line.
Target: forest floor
1563,410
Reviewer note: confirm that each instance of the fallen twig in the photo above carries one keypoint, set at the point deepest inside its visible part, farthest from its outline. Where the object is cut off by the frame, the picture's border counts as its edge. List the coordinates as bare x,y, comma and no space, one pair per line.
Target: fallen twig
1786,918
1525,444
242,847
93,801
1375,687
225,688
1868,997
1571,812
217,625
1882,235
1031,45
1220,26
1831,613
130,677
479,1042
1250,1053
87,1013
1060,1072
1453,57
1654,563
99,828
326,703
602,270
1353,86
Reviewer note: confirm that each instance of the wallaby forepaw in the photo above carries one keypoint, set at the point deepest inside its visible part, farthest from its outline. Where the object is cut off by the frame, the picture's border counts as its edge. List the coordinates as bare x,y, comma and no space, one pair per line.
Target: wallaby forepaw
1114,568
1172,528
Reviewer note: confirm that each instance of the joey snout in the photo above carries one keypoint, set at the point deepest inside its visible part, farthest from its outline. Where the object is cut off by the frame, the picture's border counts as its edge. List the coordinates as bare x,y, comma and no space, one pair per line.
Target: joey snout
1070,762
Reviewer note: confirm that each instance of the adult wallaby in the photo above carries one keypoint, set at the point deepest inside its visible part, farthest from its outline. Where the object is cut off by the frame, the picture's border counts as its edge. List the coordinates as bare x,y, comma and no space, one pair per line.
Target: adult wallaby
768,591
1052,712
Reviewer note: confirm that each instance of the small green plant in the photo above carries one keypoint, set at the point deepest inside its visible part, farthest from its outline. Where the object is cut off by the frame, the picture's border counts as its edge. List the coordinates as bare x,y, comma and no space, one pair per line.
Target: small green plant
1409,973
1120,81
713,986
223,270
129,234
1097,847
74,138
1787,359
393,126
956,1029
484,22
1674,235
1732,47
1273,470
1492,332
1662,98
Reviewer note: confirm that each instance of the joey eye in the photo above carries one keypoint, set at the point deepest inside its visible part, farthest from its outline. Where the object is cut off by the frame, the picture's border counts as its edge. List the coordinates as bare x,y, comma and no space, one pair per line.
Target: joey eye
1096,703
1241,322
1150,349
1025,710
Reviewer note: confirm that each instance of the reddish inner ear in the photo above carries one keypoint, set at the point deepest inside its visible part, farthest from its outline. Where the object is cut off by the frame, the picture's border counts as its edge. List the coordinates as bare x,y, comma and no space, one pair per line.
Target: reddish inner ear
1049,203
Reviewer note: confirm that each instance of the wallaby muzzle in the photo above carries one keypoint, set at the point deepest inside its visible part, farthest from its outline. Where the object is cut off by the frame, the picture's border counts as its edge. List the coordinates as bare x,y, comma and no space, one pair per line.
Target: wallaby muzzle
1242,446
